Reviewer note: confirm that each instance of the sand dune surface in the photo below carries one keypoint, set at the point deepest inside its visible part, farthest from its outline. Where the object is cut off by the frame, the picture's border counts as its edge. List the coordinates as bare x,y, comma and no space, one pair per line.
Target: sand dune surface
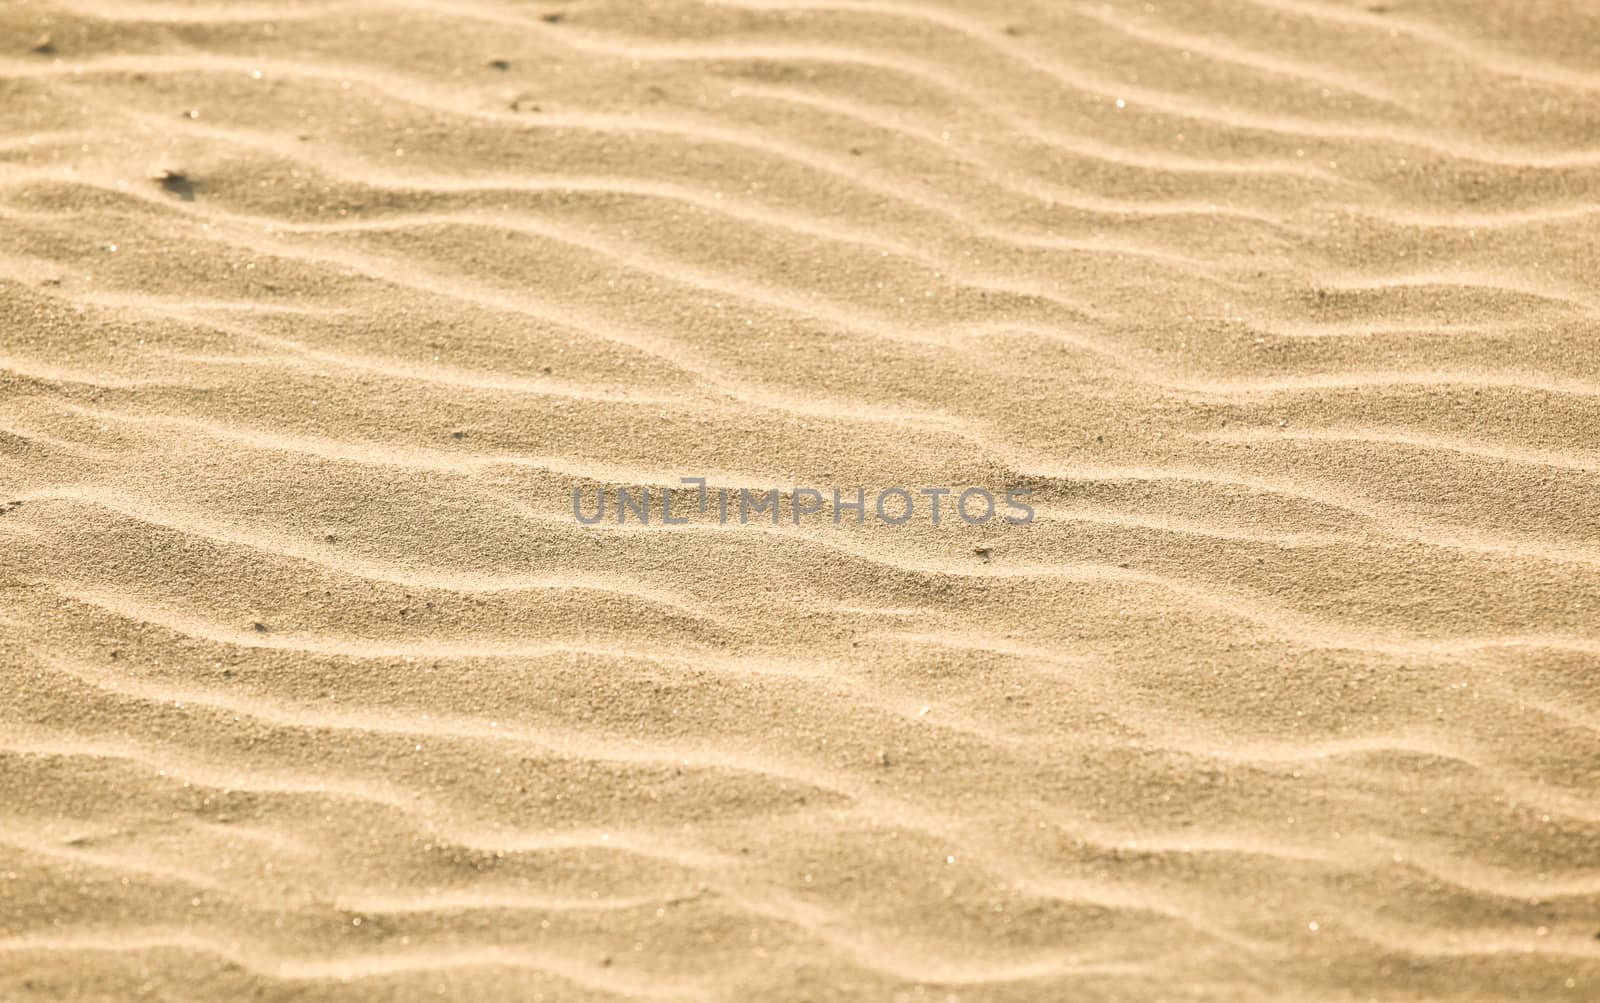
1280,316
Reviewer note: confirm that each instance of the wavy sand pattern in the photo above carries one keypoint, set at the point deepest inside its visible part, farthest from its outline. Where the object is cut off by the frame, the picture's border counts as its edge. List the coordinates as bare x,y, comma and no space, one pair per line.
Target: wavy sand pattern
313,314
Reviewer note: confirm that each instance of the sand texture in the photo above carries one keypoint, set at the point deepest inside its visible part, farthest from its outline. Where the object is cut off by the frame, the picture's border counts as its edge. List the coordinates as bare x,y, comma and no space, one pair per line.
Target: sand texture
314,314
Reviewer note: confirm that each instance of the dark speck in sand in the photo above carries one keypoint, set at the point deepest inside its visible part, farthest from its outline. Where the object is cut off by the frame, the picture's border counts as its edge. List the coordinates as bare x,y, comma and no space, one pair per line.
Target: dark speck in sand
176,183
499,64
260,628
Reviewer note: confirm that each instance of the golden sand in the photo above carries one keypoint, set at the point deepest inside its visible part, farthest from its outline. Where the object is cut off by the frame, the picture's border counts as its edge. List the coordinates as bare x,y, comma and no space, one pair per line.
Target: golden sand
314,314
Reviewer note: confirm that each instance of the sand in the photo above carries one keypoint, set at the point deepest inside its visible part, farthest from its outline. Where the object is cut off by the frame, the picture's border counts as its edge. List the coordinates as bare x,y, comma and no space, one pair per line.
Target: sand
314,315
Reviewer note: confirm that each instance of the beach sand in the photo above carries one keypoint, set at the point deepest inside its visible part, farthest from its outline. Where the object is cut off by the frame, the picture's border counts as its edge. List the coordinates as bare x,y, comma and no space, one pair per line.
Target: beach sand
314,315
